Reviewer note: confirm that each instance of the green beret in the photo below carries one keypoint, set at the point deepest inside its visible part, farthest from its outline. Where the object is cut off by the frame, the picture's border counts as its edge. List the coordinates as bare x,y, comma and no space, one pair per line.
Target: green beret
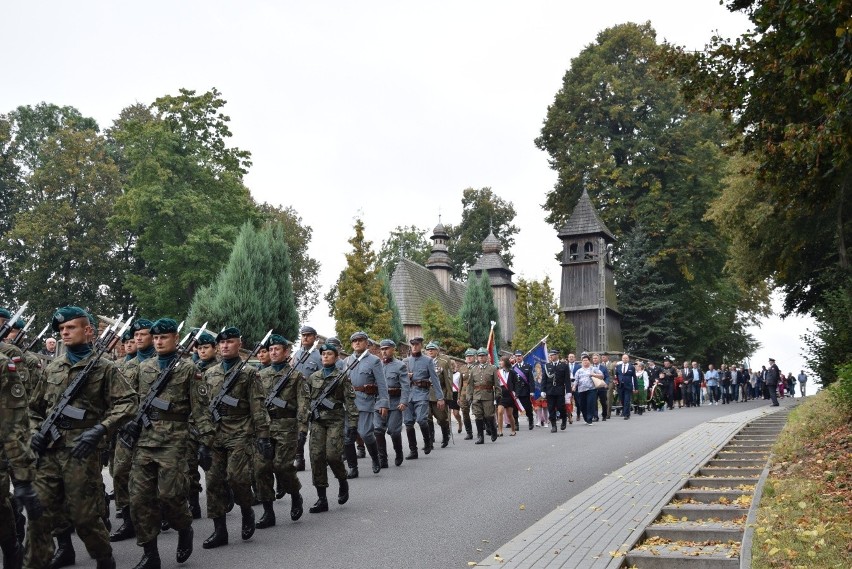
4,313
469,352
387,343
141,324
278,340
164,326
19,324
206,338
228,333
481,352
431,346
127,336
65,314
328,347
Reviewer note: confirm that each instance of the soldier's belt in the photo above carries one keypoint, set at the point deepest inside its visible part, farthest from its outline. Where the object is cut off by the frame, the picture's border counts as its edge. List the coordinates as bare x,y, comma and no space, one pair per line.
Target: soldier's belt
394,391
368,389
226,411
422,383
157,415
69,424
483,387
282,414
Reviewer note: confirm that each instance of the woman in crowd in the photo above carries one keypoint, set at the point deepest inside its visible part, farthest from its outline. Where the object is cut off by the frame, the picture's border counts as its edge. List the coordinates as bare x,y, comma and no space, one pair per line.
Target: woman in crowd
678,388
584,387
506,403
642,382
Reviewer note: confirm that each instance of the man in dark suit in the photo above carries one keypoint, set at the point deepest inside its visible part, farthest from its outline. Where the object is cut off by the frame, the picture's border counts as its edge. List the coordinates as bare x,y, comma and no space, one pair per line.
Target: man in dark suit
625,375
554,382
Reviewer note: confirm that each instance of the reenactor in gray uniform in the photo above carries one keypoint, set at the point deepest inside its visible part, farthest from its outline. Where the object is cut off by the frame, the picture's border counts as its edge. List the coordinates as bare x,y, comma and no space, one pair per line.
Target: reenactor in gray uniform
158,483
371,394
444,369
326,429
464,402
70,468
237,432
307,338
482,391
399,387
288,401
424,383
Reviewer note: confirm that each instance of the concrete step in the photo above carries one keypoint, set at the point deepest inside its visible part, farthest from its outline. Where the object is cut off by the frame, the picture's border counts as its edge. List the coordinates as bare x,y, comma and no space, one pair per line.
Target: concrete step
694,512
737,462
704,482
710,496
658,554
728,453
697,531
725,472
749,445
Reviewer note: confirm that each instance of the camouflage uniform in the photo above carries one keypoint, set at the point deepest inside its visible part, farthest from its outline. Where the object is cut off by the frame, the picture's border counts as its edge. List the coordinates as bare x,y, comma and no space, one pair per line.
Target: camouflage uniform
61,480
192,443
122,461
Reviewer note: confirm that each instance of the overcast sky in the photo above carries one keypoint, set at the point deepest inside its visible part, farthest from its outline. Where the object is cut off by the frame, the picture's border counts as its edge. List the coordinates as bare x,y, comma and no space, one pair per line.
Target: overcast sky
386,110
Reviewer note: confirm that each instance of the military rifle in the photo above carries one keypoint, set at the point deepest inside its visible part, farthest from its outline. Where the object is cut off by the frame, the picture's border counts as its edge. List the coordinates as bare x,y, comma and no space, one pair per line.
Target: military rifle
7,326
152,398
272,398
63,407
328,389
19,339
32,344
231,377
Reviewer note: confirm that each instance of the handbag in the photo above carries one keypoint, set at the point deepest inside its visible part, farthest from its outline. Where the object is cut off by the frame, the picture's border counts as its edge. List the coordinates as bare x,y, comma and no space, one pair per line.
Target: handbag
598,382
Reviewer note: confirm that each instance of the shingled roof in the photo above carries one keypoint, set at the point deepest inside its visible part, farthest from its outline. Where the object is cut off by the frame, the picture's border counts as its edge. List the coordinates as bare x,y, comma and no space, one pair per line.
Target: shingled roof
412,285
584,220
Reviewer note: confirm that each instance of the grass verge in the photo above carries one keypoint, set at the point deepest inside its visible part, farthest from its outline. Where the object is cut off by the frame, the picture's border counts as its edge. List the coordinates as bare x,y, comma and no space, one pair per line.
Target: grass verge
803,517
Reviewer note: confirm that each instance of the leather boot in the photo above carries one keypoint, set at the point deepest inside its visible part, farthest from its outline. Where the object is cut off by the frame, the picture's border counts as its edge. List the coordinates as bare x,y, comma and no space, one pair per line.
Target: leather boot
480,425
493,422
184,546
382,443
106,563
361,451
351,460
564,423
373,449
445,435
296,505
194,506
412,443
126,529
248,522
13,553
468,428
321,505
397,448
150,556
431,435
299,463
530,419
64,554
267,520
427,437
343,492
553,426
219,535
280,492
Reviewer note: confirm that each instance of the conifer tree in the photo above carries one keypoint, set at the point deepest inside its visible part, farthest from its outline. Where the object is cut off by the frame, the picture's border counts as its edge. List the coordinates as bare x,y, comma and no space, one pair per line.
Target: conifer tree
478,310
446,329
489,312
397,330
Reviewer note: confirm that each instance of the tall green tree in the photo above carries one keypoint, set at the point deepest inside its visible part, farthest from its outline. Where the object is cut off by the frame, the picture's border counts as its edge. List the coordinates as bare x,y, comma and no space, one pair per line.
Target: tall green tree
478,311
537,316
397,329
360,303
482,211
405,241
444,328
184,198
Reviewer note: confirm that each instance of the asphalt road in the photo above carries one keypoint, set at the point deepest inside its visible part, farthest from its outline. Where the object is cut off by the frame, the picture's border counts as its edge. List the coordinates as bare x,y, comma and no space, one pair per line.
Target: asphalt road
443,510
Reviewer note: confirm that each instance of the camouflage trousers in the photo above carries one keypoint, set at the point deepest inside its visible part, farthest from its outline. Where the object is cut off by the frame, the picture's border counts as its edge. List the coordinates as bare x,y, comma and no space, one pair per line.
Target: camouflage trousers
122,460
285,438
7,515
158,488
193,475
74,487
232,466
483,409
326,450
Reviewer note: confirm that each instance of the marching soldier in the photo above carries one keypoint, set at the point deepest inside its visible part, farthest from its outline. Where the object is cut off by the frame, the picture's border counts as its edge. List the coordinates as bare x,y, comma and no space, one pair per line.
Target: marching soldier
308,336
235,434
444,369
129,345
464,402
331,400
396,375
425,385
290,399
158,485
371,394
70,467
483,389
205,356
14,353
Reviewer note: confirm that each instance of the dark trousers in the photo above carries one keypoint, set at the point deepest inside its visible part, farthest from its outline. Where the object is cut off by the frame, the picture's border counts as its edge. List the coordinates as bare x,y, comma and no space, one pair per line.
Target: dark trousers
773,393
556,404
625,395
601,396
527,404
587,402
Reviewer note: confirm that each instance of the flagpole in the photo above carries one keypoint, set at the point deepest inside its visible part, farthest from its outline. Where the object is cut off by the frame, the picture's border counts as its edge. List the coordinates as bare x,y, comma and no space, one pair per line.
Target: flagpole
540,342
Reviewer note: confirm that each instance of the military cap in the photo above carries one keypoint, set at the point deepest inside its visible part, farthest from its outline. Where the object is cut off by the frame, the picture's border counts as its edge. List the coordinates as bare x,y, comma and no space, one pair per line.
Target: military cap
164,326
431,346
333,341
278,340
141,324
307,330
359,335
65,314
518,353
387,343
328,347
19,324
771,359
228,333
481,352
553,351
469,352
127,336
4,313
416,340
206,338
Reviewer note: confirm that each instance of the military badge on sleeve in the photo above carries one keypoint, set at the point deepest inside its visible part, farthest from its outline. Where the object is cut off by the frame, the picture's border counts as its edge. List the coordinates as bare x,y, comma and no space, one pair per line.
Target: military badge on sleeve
17,390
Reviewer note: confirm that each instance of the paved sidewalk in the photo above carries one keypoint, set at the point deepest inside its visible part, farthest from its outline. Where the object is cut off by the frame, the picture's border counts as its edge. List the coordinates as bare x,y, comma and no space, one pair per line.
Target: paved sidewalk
596,527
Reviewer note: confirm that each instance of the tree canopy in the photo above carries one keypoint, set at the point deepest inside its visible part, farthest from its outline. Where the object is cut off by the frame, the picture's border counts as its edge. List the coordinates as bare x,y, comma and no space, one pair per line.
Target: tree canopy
537,316
408,242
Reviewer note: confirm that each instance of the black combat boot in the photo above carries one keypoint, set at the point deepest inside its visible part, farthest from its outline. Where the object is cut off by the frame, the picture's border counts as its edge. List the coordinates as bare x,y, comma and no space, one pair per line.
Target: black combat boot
248,522
532,424
445,435
321,505
64,554
296,505
13,553
343,492
150,556
382,443
20,520
480,425
219,536
164,523
267,520
184,546
106,563
373,449
351,460
427,437
397,448
299,463
468,428
493,423
194,505
126,529
553,426
280,492
564,423
412,443
431,436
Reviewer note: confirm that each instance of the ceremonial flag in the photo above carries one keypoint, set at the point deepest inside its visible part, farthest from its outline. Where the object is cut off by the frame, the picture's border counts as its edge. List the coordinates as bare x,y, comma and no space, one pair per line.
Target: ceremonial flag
537,356
492,348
